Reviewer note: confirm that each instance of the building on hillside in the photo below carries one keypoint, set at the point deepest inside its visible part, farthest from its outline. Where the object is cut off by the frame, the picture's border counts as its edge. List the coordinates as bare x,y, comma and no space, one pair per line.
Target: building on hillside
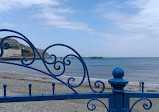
12,52
17,49
14,49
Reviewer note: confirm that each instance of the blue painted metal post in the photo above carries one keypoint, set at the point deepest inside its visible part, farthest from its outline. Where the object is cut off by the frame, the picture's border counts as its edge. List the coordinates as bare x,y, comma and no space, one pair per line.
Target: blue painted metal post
116,104
53,88
30,88
142,85
5,89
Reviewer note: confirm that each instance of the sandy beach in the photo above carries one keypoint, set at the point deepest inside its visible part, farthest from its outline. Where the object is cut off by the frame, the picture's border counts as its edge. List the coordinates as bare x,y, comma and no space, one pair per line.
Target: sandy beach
17,84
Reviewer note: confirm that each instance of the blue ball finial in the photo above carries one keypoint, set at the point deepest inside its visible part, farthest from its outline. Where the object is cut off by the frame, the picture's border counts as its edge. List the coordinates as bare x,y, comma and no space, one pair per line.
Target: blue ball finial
4,85
118,72
30,85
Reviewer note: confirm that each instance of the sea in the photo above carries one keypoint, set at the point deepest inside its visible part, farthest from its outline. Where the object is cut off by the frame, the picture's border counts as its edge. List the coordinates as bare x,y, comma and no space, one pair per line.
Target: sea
135,68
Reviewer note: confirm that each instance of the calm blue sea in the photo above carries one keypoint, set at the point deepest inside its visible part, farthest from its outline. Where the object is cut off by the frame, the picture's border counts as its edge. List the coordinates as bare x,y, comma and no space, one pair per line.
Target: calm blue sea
136,69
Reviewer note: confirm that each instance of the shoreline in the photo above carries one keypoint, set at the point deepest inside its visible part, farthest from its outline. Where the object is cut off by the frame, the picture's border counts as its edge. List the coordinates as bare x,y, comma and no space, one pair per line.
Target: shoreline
131,86
16,58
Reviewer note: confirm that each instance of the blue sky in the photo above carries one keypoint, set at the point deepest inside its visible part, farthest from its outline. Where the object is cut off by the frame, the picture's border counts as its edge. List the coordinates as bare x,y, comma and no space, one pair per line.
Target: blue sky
109,28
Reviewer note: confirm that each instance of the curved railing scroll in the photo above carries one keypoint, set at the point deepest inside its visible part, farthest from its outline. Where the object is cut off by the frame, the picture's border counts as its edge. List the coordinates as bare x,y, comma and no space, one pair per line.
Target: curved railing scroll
146,106
57,64
91,106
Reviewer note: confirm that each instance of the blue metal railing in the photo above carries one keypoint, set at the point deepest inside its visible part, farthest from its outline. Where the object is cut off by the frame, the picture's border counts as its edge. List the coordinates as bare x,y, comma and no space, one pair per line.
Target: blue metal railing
119,100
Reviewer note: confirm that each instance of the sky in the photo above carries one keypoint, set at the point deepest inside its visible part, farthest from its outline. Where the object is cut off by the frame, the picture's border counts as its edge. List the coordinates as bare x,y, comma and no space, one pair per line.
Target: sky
108,28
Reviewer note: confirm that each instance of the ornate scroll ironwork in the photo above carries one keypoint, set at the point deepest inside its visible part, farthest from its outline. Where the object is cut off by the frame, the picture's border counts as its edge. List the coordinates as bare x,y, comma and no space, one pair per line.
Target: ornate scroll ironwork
93,106
145,105
119,100
56,63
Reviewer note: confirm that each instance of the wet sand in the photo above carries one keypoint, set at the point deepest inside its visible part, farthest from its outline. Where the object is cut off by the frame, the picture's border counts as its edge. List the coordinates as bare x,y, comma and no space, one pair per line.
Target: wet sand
17,84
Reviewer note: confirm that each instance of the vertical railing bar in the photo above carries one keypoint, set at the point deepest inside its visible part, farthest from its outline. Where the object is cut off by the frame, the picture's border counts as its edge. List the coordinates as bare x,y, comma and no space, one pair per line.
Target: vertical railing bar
53,88
142,84
5,89
30,88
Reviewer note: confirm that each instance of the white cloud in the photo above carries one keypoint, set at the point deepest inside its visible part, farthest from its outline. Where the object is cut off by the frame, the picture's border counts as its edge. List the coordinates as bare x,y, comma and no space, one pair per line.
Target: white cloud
52,12
144,19
56,17
6,5
139,23
6,24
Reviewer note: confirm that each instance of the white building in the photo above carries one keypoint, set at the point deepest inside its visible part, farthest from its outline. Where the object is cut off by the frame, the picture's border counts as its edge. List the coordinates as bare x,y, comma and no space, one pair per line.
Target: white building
12,53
